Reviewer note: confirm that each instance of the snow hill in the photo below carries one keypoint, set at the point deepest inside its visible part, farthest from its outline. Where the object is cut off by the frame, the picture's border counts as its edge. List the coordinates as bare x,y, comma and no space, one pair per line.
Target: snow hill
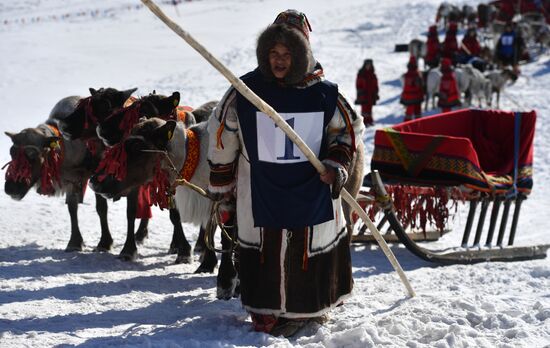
56,48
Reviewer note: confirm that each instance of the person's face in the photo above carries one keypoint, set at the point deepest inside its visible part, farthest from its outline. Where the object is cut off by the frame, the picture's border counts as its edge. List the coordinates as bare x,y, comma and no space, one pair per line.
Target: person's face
280,60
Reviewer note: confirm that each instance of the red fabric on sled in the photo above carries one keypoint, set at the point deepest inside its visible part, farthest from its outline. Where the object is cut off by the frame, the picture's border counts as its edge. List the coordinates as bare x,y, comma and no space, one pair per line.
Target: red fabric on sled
485,138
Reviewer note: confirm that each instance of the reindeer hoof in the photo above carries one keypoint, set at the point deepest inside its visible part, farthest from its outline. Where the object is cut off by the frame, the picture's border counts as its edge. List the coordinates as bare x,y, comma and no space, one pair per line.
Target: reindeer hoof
183,259
130,257
142,235
102,249
227,292
205,269
104,246
199,248
74,246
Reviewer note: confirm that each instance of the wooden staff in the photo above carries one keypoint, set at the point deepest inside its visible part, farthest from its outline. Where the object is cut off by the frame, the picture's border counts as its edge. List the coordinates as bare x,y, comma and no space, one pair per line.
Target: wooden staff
280,122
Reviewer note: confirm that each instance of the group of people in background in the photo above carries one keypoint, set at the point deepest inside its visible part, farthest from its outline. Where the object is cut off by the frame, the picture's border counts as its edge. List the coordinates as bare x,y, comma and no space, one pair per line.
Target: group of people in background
444,55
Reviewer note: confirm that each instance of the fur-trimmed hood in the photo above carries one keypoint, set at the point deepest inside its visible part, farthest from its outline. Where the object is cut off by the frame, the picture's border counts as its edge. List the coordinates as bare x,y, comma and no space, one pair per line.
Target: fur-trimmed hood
300,49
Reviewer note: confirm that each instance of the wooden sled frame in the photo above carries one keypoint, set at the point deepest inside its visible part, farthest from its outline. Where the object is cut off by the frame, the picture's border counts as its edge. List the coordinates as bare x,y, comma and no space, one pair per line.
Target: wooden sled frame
465,254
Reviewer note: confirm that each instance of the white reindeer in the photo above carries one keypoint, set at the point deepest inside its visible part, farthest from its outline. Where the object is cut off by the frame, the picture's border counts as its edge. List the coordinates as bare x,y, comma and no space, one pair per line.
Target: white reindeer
480,86
433,80
499,80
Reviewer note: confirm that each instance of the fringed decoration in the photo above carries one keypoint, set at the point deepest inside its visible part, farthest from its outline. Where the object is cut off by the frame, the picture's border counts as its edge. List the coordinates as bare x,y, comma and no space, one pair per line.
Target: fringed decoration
89,118
144,203
129,119
113,163
93,146
19,169
50,172
419,206
160,190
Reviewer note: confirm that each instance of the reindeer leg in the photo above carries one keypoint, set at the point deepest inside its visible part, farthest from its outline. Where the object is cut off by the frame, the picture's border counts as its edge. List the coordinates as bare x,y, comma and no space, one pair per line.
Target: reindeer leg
209,258
227,279
129,251
179,243
199,245
76,243
142,231
106,241
498,99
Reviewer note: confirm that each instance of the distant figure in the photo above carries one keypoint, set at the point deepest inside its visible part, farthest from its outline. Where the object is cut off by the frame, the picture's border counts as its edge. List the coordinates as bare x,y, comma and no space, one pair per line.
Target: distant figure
509,48
367,91
433,48
469,47
413,91
449,96
450,45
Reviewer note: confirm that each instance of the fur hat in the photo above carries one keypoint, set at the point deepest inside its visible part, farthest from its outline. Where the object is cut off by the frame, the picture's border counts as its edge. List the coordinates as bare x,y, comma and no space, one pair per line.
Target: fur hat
291,28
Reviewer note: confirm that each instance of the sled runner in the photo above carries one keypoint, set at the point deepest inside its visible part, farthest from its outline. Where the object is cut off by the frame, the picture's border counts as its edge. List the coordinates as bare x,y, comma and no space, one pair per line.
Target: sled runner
429,165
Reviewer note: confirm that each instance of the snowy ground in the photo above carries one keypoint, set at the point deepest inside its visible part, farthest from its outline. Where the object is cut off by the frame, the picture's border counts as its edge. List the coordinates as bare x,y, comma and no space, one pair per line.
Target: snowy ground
52,298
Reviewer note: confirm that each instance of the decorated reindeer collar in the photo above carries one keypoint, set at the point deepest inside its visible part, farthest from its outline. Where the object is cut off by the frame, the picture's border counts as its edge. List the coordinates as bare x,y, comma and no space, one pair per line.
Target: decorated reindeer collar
192,155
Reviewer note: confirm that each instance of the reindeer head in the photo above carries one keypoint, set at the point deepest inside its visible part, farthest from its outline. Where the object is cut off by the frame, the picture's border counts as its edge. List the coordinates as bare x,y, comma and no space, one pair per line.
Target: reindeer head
82,122
119,124
510,75
141,160
28,153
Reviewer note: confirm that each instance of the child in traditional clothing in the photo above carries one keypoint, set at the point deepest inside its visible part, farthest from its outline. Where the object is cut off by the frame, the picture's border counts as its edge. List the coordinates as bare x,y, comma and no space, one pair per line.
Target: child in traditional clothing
449,96
367,91
413,91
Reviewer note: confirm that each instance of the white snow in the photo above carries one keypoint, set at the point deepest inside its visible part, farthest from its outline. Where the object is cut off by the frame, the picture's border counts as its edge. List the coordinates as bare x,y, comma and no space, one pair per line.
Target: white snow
52,298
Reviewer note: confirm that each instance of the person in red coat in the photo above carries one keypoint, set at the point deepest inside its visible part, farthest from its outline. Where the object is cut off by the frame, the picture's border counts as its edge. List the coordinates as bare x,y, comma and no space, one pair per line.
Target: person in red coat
433,48
367,91
449,96
450,45
469,48
413,91
470,45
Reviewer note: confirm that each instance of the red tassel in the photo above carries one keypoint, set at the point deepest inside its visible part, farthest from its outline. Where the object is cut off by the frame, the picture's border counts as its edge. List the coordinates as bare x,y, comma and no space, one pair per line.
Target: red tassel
113,163
160,190
50,172
19,169
130,118
92,146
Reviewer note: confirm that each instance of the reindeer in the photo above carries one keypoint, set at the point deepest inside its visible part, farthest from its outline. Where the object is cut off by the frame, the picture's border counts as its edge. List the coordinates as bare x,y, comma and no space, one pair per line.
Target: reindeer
499,80
112,131
155,147
480,86
433,79
469,15
449,13
417,48
41,158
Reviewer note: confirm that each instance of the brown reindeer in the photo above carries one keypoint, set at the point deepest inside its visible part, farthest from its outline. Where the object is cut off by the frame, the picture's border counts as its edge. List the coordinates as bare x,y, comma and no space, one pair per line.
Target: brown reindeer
112,131
41,158
148,148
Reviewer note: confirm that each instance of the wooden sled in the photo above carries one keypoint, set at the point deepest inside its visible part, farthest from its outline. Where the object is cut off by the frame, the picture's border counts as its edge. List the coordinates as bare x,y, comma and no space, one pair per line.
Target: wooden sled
450,158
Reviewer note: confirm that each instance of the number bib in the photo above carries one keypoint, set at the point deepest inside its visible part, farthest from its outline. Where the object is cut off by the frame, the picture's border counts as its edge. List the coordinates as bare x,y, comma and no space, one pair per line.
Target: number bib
285,188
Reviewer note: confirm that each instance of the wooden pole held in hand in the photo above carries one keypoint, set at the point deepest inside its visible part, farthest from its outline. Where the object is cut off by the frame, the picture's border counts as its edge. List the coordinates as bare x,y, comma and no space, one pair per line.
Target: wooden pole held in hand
280,122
